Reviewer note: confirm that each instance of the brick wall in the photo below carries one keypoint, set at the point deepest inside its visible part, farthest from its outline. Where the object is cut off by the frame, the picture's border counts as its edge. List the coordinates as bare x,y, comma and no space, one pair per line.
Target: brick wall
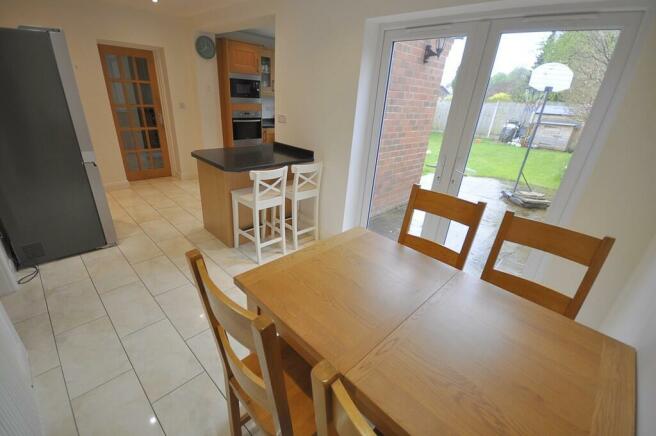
412,96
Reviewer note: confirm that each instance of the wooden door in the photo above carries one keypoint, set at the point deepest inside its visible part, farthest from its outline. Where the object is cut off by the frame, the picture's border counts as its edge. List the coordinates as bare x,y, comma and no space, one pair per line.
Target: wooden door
131,82
243,57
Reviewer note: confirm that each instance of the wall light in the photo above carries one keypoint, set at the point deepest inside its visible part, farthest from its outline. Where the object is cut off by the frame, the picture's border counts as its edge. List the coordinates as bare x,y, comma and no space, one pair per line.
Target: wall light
439,48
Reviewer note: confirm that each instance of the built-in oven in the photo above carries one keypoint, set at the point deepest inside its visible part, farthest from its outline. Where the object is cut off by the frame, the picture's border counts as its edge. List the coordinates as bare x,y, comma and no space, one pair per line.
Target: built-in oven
246,127
244,88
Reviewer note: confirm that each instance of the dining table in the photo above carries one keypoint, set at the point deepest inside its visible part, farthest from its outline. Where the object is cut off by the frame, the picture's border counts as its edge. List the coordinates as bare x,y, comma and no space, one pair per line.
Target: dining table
424,348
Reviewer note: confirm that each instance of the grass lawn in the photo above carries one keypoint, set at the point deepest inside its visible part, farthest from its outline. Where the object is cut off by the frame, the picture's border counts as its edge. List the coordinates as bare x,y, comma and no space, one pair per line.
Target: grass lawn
488,158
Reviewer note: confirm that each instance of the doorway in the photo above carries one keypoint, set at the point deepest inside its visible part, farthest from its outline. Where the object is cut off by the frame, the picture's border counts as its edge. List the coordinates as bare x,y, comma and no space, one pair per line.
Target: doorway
490,136
132,86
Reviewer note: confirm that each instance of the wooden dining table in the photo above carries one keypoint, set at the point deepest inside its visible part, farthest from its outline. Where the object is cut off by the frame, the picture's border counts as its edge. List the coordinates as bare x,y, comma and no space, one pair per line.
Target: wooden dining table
427,349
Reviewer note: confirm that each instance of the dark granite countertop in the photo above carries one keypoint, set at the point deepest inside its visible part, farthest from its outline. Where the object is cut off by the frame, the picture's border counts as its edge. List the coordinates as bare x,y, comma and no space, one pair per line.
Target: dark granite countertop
254,157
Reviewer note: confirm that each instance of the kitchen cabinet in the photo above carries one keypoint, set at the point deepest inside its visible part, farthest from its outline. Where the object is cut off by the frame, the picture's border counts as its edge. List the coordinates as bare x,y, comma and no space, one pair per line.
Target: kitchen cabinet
267,69
268,135
243,57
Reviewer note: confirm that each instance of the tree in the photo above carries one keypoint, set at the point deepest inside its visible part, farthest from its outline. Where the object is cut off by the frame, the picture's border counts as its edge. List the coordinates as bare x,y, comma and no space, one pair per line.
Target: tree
500,96
588,54
513,83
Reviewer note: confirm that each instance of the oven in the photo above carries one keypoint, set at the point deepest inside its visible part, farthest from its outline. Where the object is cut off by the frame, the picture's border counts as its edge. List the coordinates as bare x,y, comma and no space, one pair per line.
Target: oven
247,127
244,88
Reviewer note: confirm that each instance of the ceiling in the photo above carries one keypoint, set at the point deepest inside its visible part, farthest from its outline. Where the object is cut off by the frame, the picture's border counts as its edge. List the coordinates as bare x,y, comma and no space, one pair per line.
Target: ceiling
177,8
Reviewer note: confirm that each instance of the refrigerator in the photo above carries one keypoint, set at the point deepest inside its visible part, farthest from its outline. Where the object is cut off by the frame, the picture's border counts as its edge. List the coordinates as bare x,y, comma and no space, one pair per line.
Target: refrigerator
52,202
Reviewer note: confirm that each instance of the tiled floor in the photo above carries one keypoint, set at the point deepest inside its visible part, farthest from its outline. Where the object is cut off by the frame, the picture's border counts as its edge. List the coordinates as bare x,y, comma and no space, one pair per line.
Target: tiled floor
117,339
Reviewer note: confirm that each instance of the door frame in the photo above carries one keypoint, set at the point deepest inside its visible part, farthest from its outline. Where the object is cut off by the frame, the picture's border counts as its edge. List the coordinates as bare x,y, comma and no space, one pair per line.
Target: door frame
620,73
159,99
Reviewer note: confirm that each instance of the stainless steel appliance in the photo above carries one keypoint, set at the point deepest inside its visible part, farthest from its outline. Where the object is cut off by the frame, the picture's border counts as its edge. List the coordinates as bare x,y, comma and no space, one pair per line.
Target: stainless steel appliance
244,88
52,203
246,127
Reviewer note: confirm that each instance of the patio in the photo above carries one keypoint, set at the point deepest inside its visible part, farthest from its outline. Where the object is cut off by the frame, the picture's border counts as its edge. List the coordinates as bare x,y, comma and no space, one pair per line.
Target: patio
512,258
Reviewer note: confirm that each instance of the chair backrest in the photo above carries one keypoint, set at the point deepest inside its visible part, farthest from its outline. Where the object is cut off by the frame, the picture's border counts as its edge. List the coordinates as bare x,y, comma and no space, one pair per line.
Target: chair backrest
334,410
446,206
255,332
307,177
269,185
577,247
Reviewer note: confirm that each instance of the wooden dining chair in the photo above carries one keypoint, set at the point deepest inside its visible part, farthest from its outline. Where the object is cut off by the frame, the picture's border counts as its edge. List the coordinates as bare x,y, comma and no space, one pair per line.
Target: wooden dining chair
335,412
446,206
273,382
577,247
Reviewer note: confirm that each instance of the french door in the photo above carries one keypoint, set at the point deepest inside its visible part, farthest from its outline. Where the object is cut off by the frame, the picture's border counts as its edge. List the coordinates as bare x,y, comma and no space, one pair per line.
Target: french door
485,141
131,80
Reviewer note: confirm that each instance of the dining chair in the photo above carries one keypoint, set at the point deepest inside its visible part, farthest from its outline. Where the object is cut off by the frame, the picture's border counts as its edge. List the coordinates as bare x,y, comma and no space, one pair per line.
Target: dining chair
305,185
267,192
335,411
577,247
272,383
446,206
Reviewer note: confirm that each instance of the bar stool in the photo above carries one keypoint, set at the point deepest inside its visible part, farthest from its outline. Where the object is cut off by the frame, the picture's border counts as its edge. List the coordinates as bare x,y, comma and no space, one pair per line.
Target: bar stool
268,192
306,185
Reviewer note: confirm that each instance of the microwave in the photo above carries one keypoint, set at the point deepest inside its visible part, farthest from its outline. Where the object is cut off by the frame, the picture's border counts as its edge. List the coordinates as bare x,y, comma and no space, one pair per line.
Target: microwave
244,88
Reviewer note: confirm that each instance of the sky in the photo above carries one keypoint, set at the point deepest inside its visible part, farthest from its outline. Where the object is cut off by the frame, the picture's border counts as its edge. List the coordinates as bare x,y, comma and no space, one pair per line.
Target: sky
515,50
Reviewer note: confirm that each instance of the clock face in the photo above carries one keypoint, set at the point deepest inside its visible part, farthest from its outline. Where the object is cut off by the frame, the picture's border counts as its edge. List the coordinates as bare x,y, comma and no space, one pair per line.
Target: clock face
205,47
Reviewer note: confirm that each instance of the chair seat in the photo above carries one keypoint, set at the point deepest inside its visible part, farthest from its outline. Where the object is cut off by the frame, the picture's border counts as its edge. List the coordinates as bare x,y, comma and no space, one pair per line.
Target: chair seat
305,191
299,392
245,196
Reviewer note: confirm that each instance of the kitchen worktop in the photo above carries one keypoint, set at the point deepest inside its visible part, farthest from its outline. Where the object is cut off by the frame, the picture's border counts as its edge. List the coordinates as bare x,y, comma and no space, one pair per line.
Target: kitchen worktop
254,157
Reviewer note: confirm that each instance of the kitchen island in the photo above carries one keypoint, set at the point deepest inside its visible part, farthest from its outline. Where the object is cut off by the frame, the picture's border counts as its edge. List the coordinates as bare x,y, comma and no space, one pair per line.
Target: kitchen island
222,170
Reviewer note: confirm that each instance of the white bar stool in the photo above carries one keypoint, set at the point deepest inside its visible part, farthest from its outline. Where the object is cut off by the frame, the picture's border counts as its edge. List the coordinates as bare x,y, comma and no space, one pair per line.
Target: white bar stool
306,185
268,192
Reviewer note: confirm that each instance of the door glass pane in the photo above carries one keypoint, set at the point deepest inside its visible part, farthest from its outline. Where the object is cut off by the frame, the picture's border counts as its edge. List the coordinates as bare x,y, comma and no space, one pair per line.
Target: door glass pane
128,67
142,119
151,118
417,103
128,140
141,140
142,68
154,139
521,151
130,92
112,66
156,157
127,117
117,93
131,159
146,94
144,160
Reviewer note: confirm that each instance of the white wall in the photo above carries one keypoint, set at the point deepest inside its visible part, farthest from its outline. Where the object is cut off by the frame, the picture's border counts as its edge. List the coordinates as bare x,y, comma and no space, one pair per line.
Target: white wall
633,320
85,24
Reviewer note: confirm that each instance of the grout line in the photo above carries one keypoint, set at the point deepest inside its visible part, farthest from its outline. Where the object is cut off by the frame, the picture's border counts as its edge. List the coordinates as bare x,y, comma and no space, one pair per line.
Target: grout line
83,324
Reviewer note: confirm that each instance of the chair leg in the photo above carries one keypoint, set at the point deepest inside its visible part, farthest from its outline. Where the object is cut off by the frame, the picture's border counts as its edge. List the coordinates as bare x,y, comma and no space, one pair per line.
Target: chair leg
233,414
256,233
295,223
274,213
316,218
264,222
235,221
283,240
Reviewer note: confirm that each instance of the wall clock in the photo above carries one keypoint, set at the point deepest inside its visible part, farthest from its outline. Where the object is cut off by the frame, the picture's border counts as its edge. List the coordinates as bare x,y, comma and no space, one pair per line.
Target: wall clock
205,47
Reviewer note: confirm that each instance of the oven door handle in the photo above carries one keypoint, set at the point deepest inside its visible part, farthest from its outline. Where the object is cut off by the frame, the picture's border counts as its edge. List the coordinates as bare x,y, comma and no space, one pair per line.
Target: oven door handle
246,121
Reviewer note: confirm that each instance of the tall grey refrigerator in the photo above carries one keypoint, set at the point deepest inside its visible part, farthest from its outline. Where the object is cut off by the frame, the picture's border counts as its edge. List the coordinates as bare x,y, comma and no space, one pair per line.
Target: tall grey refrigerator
52,203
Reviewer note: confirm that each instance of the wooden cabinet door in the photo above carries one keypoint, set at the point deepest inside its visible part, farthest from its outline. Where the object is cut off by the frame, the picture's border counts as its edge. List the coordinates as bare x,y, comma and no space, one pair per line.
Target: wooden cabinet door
268,136
243,57
266,69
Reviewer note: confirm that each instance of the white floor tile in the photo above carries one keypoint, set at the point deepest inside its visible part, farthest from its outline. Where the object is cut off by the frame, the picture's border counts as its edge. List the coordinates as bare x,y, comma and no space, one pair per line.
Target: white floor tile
73,304
131,307
26,302
161,359
36,334
62,272
160,275
231,260
138,248
175,214
193,230
125,226
160,230
183,307
91,355
175,249
196,408
118,407
109,269
142,212
54,408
